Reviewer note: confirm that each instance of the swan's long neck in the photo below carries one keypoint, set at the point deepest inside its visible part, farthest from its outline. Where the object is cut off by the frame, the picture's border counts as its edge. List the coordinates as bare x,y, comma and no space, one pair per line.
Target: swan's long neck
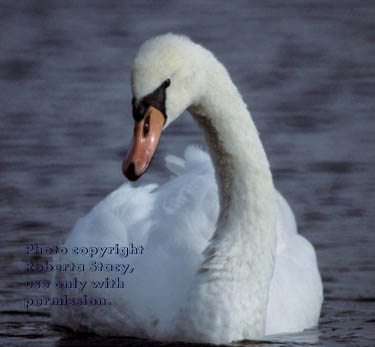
232,284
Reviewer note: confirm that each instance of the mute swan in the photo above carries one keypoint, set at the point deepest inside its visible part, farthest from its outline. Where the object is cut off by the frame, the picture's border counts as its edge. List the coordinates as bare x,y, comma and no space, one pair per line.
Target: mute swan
222,259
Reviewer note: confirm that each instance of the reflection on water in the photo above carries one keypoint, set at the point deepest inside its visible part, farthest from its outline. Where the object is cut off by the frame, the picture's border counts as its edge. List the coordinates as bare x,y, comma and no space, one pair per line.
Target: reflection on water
306,71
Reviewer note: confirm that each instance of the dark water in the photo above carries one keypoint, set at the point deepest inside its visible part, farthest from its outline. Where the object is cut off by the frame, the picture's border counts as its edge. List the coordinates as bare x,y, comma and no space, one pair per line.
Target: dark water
306,70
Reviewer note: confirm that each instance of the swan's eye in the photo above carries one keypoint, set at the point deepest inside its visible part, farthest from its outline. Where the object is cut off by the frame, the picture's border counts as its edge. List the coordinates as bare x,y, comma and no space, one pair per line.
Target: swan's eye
146,126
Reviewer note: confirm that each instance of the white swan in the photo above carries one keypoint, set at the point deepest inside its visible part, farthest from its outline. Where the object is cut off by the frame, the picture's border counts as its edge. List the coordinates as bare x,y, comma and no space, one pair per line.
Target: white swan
222,259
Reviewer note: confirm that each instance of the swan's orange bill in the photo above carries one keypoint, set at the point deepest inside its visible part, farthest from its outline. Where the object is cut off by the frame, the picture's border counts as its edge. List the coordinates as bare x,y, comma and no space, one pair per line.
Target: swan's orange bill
145,141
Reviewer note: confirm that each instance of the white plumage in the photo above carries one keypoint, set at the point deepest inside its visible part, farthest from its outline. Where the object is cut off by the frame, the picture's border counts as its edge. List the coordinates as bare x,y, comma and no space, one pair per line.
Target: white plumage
222,260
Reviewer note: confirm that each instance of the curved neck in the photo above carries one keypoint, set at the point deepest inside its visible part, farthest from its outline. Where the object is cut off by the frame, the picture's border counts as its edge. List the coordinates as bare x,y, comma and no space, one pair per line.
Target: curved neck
242,170
244,179
242,248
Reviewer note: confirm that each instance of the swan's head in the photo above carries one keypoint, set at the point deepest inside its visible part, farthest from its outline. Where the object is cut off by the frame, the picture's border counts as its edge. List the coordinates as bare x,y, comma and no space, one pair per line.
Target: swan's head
166,78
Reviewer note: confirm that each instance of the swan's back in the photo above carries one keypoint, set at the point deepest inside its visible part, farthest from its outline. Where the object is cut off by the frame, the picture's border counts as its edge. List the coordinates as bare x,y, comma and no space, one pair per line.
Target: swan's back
174,223
296,291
